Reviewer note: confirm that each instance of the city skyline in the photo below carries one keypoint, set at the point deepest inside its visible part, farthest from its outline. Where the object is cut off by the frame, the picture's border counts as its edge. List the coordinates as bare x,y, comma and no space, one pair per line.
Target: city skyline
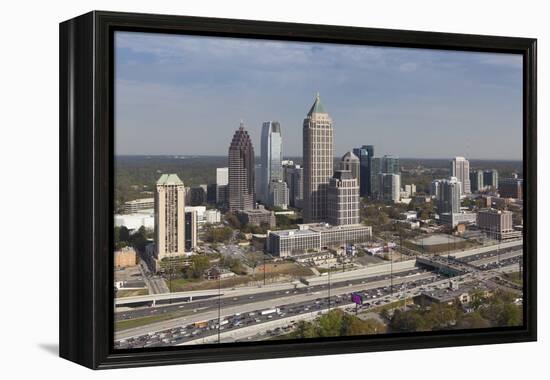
477,95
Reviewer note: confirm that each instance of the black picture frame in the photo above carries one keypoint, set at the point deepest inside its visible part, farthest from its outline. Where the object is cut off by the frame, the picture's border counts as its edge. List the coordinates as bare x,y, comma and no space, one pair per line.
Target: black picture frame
86,187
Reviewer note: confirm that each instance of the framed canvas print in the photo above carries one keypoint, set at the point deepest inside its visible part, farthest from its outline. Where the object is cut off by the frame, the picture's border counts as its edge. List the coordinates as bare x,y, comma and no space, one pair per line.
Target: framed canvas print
236,190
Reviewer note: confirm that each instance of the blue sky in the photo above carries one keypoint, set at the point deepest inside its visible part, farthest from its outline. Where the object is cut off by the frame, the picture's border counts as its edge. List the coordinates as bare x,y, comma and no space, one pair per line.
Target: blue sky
186,95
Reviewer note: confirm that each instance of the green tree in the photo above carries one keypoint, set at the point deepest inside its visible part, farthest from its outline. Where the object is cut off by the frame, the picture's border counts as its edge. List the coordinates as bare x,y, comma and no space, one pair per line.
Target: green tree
199,263
139,238
408,321
330,324
305,330
472,320
218,234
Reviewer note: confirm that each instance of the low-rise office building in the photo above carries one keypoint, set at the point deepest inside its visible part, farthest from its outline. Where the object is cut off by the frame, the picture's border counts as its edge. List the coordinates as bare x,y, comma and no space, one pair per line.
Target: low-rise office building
136,205
455,218
125,257
257,217
134,221
212,216
497,224
310,238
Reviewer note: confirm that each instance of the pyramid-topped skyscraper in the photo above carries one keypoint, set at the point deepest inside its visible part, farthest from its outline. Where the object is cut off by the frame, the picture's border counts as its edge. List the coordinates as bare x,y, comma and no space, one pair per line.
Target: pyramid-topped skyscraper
241,191
318,155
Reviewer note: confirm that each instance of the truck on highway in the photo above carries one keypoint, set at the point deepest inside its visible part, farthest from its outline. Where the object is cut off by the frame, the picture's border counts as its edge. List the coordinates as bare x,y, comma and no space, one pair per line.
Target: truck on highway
270,311
200,324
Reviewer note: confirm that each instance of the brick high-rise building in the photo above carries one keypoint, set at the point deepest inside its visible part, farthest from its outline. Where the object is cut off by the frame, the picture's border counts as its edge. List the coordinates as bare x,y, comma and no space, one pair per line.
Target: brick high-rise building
497,224
241,189
343,199
169,216
352,163
318,155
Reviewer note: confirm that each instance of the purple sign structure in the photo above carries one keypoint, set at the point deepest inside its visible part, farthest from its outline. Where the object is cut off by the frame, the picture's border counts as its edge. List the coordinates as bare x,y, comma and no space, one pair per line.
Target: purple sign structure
356,298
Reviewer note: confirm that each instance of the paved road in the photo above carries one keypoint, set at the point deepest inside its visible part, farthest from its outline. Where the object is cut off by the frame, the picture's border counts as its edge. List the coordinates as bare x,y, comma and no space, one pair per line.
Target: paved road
211,312
155,284
231,298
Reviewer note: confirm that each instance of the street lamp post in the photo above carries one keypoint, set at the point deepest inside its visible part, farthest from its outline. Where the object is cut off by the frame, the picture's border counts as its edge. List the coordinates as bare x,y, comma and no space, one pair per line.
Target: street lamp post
329,267
219,305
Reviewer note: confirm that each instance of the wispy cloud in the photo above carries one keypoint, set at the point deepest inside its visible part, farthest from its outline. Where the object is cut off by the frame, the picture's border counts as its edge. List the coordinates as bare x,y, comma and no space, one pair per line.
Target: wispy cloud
169,85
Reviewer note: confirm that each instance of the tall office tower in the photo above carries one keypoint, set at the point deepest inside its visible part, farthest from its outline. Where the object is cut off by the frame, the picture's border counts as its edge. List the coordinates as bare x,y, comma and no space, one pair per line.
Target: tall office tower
343,199
258,181
278,194
511,188
490,178
375,170
222,180
460,168
190,230
382,165
241,194
476,180
169,214
410,189
318,155
390,187
195,196
271,157
351,162
497,224
211,193
448,200
390,165
365,154
294,178
435,188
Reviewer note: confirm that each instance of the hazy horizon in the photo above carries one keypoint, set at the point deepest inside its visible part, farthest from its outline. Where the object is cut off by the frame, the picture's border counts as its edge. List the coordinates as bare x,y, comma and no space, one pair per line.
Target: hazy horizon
185,96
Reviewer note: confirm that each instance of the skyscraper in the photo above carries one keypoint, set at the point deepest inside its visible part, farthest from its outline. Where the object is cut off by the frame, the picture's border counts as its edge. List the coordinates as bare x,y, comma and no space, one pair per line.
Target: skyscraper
383,165
352,163
190,230
390,164
271,157
460,168
390,187
318,154
222,179
490,178
448,200
365,154
169,216
375,170
241,194
343,199
294,178
278,194
511,188
476,180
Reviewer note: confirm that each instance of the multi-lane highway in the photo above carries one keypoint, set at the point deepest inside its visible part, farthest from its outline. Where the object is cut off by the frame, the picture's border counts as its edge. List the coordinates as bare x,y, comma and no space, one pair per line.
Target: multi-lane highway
208,325
234,298
247,315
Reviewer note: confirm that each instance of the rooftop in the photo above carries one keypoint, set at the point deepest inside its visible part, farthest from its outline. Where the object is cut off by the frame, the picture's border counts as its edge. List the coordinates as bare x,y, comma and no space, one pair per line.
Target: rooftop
317,106
169,179
141,200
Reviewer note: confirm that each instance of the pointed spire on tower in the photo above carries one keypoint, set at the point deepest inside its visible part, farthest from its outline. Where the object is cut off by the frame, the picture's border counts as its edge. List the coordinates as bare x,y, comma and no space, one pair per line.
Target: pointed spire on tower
317,107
